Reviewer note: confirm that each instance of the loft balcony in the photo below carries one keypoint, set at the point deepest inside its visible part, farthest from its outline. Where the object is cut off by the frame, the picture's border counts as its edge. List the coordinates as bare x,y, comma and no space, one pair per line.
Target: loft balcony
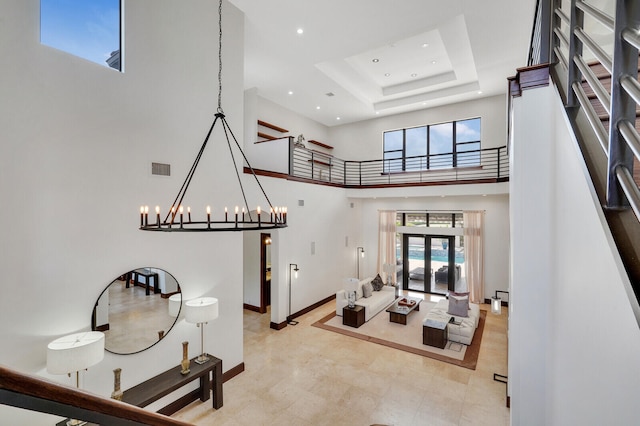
284,158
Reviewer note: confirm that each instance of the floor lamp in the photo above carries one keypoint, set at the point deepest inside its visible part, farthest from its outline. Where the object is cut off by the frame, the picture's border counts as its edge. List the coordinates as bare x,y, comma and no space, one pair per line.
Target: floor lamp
359,253
73,353
295,273
200,311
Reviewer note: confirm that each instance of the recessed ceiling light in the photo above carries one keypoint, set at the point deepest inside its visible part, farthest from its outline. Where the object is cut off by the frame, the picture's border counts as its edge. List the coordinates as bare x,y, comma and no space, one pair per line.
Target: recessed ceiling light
318,107
387,74
414,75
375,60
337,118
290,92
300,31
377,112
434,62
479,92
425,44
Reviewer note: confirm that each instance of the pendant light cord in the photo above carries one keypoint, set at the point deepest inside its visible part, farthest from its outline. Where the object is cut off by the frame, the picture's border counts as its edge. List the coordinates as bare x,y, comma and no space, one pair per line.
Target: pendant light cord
220,58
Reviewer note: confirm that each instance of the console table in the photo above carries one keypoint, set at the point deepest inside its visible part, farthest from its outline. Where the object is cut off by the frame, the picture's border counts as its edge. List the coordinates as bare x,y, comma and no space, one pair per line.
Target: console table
148,275
163,384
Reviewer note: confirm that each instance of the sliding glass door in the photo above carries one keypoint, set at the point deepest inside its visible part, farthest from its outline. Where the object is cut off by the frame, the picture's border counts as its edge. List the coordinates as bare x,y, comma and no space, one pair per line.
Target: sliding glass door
433,263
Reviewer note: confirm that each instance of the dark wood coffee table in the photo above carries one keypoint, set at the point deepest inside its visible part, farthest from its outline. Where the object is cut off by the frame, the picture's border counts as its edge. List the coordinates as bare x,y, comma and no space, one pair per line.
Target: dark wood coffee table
402,307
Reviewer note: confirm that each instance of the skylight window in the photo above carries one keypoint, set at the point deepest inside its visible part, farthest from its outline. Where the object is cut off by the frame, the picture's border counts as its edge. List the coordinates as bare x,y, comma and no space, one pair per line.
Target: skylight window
88,29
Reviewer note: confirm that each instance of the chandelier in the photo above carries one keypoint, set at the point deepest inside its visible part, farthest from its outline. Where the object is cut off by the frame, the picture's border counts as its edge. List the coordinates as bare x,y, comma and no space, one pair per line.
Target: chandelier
178,216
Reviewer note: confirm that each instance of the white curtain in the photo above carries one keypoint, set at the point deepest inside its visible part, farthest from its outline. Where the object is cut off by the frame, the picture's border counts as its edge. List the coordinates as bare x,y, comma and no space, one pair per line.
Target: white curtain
474,254
386,243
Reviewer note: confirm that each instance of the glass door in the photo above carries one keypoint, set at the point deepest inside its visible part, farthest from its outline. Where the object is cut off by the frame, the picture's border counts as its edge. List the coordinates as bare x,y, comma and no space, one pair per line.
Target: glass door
431,264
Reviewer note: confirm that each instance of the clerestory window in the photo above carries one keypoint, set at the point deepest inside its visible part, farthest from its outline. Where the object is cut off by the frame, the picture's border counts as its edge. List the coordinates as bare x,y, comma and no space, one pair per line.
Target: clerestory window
90,29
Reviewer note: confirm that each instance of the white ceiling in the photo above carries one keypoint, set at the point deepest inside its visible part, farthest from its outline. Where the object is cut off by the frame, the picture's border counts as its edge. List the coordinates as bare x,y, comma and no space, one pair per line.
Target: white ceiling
427,52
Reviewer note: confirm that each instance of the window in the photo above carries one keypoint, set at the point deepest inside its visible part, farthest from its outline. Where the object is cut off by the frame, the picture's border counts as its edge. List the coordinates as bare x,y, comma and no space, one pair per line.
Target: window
88,29
429,219
432,147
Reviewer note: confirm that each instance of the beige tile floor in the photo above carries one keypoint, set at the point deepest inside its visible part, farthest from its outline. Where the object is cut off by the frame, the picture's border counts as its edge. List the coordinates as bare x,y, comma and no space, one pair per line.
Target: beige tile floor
303,375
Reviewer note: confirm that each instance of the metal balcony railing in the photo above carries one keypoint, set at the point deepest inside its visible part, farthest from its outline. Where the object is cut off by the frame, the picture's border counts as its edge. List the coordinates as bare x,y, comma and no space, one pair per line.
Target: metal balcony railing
485,165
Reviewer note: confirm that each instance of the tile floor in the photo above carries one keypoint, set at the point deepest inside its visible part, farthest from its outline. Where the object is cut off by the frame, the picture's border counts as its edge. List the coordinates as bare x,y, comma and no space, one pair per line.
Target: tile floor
303,375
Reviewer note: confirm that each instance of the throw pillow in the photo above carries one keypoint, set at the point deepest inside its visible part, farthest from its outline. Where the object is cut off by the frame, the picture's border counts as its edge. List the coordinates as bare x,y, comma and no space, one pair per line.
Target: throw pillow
367,290
377,283
458,306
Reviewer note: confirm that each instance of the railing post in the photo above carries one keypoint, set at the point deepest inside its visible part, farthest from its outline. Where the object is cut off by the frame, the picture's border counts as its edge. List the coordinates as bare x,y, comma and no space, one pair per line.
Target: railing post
575,48
292,148
330,167
313,165
623,106
344,174
546,13
360,172
499,157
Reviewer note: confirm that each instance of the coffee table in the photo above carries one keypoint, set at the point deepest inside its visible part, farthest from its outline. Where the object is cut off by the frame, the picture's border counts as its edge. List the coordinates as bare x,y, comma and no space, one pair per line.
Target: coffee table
402,307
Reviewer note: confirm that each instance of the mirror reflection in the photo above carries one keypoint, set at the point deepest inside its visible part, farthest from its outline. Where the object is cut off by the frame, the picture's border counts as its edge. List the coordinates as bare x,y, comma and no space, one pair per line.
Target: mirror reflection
137,309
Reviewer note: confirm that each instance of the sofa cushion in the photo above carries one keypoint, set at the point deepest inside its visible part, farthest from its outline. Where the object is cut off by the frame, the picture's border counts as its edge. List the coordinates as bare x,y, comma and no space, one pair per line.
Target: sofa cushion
377,283
367,289
458,306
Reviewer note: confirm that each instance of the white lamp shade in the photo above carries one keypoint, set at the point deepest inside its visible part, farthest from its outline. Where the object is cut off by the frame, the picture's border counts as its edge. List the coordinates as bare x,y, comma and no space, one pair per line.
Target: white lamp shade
351,284
202,309
174,304
75,352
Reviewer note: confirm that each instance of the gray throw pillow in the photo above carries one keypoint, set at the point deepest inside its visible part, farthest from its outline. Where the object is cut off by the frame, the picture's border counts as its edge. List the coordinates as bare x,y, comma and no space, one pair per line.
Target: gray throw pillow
377,283
458,306
367,290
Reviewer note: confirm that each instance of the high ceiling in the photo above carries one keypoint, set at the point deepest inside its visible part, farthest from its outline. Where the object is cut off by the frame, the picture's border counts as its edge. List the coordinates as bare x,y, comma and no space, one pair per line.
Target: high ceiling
358,59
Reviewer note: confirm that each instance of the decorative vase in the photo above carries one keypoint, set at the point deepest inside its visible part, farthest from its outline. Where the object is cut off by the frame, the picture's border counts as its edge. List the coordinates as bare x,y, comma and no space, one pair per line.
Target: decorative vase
185,359
117,393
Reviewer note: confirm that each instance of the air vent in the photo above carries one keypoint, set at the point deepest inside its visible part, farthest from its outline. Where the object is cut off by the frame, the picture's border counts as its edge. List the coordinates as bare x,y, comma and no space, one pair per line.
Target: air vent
330,94
161,169
301,203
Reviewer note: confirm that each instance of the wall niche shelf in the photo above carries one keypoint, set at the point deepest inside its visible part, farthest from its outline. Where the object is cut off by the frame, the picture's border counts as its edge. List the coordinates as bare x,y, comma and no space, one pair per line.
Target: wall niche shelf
323,145
272,127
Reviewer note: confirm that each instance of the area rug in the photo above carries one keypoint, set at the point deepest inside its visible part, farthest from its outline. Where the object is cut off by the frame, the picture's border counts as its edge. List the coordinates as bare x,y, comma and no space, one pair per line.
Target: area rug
408,337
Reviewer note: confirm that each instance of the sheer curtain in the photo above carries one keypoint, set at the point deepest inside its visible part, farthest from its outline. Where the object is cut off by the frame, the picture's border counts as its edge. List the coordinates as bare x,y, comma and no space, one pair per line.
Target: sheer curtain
474,254
386,242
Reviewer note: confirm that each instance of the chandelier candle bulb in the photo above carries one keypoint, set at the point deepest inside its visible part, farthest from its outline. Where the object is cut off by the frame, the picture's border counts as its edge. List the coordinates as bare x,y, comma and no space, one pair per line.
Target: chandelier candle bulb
146,215
243,215
181,210
158,216
258,211
141,216
226,215
236,216
189,213
208,217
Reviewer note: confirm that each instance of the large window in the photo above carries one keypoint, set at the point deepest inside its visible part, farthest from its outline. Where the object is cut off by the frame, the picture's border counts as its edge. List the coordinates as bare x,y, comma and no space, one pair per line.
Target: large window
436,146
89,29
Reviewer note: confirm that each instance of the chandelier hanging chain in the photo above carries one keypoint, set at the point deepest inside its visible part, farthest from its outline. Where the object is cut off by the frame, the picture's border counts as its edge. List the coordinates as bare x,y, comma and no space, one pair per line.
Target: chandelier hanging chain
220,57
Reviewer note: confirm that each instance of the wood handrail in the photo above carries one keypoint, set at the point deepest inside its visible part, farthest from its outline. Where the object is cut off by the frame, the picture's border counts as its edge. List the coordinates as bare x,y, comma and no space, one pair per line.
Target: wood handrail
272,126
324,145
38,394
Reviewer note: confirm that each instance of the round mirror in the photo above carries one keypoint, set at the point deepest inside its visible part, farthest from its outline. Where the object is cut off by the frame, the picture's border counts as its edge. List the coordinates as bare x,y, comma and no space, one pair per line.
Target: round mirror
137,310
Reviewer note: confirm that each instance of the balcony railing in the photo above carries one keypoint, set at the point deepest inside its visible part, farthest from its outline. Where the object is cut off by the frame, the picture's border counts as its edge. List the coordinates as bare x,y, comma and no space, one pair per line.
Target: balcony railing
485,165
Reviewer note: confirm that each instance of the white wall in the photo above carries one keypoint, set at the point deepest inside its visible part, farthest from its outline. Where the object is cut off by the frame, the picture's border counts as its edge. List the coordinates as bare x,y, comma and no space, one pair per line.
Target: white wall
363,140
573,337
77,143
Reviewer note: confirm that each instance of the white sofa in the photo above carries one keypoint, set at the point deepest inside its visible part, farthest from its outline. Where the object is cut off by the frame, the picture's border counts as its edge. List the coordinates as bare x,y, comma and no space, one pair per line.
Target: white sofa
461,333
378,301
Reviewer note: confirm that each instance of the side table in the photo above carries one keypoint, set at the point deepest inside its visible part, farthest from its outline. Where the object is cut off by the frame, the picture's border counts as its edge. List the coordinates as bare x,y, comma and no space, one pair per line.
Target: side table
434,334
353,317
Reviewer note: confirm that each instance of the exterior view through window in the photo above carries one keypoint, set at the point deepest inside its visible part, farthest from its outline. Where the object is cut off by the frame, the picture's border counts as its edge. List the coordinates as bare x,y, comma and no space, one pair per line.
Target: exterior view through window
88,29
431,261
431,147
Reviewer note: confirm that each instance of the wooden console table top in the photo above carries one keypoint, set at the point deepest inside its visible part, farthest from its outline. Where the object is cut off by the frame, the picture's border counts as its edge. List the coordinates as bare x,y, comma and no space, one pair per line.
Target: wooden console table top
163,384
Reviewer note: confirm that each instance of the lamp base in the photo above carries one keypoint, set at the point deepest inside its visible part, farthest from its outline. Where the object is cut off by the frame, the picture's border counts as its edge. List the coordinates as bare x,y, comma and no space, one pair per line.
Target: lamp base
202,359
75,422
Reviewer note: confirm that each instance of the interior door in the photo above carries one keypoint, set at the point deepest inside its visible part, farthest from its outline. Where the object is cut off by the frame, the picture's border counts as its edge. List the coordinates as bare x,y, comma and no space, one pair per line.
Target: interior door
265,272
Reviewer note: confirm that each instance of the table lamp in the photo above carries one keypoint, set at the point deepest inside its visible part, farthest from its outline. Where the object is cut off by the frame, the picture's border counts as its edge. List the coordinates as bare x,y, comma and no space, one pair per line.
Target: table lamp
73,353
200,311
175,302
